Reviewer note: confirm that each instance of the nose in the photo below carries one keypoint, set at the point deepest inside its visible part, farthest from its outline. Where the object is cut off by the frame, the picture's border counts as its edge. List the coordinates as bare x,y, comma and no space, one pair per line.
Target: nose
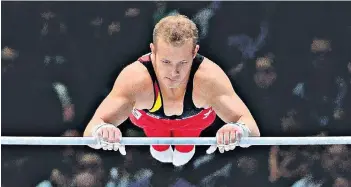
175,72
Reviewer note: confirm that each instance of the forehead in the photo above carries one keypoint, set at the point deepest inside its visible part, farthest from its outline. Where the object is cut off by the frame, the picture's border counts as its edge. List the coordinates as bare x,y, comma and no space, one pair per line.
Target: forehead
168,51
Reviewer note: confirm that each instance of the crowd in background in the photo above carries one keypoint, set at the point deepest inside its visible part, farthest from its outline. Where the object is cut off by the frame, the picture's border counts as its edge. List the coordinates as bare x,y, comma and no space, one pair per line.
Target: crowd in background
290,62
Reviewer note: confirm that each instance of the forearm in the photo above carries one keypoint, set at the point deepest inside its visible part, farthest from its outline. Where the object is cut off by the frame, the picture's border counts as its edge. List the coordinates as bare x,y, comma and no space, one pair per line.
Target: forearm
251,124
93,122
231,110
112,110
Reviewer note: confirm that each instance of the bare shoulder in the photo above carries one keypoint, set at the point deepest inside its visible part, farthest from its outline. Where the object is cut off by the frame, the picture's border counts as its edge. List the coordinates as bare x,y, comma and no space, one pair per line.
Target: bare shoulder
209,73
210,80
137,72
133,79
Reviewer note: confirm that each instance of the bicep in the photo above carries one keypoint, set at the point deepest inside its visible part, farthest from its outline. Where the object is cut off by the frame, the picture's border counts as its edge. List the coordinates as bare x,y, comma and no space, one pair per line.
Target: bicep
229,107
224,100
114,109
117,106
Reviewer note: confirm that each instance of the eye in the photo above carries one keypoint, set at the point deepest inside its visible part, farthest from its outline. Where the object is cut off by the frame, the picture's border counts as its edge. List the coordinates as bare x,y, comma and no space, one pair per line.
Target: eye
166,61
184,62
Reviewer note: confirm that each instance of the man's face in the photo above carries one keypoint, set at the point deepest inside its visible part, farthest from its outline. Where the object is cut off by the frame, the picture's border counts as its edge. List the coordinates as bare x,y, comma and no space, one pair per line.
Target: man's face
173,64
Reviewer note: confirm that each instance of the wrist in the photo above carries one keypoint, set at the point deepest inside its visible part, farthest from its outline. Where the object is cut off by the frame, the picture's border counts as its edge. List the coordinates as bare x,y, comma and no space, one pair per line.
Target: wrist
244,129
101,125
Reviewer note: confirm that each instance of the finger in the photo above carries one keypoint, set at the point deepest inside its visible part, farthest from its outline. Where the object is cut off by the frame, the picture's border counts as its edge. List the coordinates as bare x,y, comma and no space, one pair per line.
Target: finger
116,146
104,146
226,137
122,150
111,135
232,137
104,134
211,149
110,146
221,149
238,136
220,138
232,147
117,135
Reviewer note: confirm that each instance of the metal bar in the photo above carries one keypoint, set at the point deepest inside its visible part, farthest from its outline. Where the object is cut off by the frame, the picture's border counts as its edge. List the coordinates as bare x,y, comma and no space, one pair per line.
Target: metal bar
13,140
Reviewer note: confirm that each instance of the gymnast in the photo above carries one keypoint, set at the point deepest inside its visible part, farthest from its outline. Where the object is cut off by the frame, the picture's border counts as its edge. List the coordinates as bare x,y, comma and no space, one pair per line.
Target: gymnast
172,92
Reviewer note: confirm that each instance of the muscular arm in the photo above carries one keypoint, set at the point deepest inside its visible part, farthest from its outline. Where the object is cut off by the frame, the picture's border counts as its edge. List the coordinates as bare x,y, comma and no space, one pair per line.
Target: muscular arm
116,107
220,95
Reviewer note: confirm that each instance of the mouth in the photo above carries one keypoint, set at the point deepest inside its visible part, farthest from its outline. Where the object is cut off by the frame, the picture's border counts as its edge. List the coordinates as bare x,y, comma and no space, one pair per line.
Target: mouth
172,80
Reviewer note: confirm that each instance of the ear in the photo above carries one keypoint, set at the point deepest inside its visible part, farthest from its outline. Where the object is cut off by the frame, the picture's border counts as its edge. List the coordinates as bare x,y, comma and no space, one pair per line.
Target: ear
153,51
197,47
152,48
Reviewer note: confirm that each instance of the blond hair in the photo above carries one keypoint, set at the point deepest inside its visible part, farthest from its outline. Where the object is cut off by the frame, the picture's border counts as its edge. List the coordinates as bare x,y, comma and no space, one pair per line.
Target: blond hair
176,30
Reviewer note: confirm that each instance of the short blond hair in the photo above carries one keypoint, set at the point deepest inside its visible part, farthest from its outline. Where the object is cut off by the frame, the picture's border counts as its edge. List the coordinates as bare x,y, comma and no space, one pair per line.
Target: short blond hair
176,30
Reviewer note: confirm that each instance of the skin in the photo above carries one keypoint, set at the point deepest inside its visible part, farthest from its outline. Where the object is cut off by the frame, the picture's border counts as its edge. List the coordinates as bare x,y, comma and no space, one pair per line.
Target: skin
212,88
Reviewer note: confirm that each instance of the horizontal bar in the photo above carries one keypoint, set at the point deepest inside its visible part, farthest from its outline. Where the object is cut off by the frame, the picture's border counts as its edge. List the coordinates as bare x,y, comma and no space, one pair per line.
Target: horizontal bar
13,140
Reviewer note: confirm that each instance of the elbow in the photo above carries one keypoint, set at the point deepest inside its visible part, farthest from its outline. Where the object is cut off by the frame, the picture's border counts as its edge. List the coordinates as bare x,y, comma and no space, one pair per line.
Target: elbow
258,134
86,132
255,131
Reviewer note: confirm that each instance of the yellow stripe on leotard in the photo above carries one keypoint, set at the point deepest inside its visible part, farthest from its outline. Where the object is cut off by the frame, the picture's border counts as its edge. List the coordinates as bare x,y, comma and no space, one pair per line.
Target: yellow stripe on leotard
158,101
157,105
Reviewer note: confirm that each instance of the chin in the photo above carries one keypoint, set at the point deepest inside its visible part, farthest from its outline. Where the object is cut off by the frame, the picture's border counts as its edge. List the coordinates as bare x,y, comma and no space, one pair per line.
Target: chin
173,85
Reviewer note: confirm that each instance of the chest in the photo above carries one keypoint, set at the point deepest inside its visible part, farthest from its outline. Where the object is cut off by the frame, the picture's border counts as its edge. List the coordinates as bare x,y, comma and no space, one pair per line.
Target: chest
171,105
182,104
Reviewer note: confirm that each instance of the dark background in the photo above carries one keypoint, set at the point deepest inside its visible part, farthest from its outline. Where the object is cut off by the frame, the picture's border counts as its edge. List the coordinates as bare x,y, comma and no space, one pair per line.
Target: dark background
289,61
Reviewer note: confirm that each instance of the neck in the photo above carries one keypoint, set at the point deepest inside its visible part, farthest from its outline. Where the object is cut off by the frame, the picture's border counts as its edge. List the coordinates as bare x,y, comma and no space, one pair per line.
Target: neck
174,92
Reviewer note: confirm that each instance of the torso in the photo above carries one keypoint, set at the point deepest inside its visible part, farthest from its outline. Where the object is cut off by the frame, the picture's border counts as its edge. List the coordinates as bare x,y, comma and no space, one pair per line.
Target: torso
167,107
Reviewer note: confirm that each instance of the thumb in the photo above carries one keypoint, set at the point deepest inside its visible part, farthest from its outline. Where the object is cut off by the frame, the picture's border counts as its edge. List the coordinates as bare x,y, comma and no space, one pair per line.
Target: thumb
244,145
211,149
122,150
97,145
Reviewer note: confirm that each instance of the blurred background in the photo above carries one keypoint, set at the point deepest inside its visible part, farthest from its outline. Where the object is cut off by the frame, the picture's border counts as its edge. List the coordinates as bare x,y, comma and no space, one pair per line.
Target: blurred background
290,62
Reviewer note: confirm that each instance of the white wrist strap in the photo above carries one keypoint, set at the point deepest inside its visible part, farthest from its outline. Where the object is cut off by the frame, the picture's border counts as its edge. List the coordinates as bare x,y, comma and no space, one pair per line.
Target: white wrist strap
97,127
246,130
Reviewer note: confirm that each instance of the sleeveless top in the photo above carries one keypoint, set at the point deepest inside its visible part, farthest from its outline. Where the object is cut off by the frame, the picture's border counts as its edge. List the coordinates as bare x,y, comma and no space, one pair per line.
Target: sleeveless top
189,108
